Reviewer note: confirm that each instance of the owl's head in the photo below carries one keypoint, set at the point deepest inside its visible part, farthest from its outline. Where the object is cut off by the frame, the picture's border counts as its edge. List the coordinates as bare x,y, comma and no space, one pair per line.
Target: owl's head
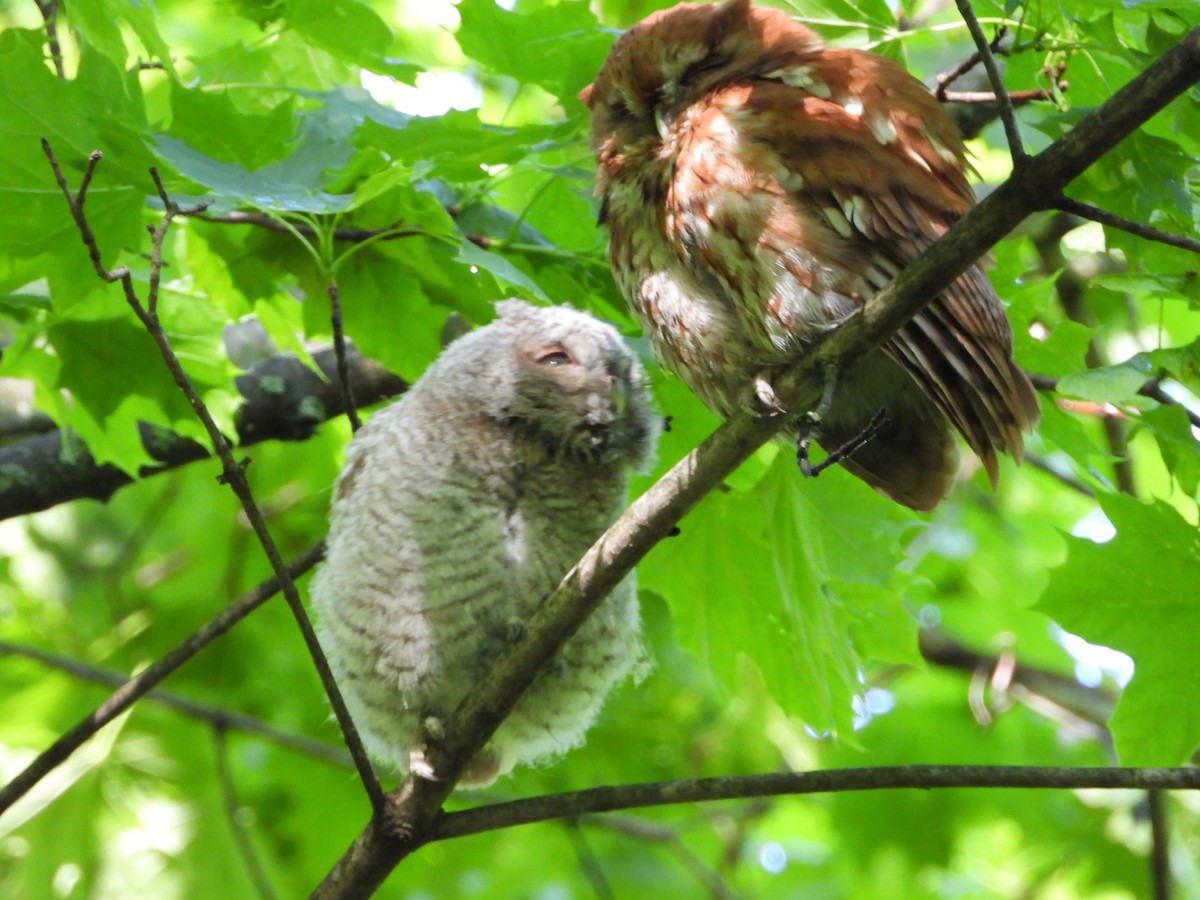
569,379
674,57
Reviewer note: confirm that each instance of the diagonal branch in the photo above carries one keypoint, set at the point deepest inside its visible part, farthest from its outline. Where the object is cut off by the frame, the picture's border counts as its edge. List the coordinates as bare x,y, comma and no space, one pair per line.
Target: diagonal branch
416,805
217,716
1003,101
139,685
1112,220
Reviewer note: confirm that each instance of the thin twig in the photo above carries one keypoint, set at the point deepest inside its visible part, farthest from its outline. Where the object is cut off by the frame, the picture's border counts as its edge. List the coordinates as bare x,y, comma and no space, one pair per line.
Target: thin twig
140,684
339,350
1019,98
232,472
1043,465
214,715
591,867
707,876
1087,211
241,837
49,11
1003,102
1070,287
947,78
347,235
1152,389
1160,846
780,784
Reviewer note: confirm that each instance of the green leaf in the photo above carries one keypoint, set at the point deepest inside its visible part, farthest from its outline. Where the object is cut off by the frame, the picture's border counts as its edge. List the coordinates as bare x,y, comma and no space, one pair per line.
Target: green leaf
769,574
476,257
210,122
35,105
1109,384
456,145
1177,443
350,30
559,48
386,314
1137,594
283,190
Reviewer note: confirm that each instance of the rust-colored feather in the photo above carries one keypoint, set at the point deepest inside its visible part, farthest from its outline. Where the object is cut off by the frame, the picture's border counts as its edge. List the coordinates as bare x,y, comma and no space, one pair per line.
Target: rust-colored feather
758,188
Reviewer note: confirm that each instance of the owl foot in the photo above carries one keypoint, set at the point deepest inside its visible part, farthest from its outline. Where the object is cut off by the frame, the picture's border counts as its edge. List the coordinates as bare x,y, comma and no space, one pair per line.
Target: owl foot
878,422
514,630
419,766
763,400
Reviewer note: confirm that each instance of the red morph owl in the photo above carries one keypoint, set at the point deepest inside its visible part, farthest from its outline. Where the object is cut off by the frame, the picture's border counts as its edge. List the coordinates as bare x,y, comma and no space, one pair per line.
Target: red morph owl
758,187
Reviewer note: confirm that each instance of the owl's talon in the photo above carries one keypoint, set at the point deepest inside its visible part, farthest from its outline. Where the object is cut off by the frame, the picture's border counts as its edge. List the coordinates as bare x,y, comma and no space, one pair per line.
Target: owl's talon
514,630
419,766
878,422
764,400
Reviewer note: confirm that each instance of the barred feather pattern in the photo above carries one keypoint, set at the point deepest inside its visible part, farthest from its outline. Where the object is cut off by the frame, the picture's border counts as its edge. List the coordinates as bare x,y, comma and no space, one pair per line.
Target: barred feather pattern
758,188
460,507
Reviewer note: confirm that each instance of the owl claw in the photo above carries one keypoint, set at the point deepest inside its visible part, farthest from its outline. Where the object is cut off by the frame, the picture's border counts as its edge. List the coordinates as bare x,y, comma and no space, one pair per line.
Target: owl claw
514,630
878,422
764,400
419,767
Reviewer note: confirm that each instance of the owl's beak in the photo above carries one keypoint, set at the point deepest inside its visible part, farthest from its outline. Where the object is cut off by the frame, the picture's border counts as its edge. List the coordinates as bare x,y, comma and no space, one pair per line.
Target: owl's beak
661,122
619,396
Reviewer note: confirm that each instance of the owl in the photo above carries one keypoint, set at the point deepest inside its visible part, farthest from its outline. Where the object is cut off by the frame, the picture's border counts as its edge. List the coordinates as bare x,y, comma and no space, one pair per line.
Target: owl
459,509
758,188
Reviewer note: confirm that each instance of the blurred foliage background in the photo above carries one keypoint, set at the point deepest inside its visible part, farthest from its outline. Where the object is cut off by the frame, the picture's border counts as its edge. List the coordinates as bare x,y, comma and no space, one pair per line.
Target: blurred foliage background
784,618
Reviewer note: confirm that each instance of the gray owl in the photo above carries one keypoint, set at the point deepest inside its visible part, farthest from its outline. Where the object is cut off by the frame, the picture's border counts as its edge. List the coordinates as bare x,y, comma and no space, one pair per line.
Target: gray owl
459,509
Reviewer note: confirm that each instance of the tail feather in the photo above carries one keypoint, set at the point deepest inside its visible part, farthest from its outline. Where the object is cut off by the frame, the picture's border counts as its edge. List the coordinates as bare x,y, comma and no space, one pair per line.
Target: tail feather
958,349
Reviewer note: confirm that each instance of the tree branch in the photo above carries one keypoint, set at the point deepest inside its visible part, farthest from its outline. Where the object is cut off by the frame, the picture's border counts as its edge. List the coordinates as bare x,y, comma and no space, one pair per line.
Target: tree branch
139,685
214,715
415,808
1112,220
1003,101
783,784
285,400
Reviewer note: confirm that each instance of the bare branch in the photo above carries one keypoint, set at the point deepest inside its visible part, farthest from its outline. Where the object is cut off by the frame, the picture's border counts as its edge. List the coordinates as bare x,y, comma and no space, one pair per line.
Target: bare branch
1087,211
784,784
1018,98
214,715
1065,478
139,685
49,11
947,78
348,235
1152,389
339,349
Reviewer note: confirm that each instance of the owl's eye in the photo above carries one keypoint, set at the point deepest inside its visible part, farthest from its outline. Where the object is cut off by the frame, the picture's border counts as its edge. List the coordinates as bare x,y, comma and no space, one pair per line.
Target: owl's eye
553,356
